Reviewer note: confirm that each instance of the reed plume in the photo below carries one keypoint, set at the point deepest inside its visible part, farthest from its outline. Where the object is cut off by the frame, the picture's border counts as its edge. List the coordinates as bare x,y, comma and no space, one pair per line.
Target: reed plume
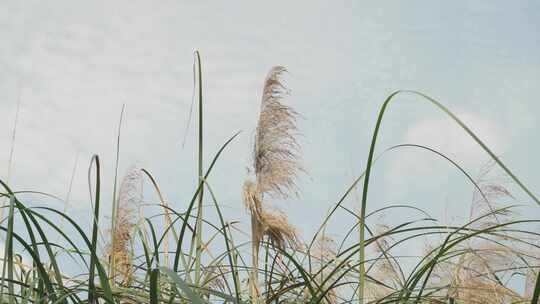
479,273
324,254
386,276
126,218
276,164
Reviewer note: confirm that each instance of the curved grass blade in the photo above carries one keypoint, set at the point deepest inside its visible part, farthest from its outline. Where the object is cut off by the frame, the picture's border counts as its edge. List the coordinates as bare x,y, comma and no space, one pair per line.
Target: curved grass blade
361,281
94,262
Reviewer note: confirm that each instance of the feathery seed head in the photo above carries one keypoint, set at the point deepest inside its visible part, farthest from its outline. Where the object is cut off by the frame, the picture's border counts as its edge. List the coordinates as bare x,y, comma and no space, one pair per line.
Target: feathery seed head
276,155
129,201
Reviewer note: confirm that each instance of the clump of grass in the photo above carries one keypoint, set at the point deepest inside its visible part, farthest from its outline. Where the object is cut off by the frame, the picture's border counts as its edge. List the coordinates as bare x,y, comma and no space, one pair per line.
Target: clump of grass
479,273
477,262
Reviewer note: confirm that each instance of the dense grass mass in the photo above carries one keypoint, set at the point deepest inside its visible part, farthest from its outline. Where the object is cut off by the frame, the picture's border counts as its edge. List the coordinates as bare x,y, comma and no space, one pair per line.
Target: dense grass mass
166,258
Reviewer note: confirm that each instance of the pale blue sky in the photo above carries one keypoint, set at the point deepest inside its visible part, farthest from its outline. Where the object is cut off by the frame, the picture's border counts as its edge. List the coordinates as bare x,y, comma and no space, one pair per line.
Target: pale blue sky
74,63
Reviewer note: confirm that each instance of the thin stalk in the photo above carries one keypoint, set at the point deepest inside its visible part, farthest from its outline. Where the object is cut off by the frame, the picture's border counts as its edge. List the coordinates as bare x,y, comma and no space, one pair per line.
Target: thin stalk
112,266
198,229
93,258
11,149
68,194
255,244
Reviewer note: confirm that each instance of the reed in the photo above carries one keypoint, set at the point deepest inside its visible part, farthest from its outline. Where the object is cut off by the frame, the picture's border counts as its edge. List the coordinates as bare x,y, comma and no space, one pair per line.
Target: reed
119,251
276,164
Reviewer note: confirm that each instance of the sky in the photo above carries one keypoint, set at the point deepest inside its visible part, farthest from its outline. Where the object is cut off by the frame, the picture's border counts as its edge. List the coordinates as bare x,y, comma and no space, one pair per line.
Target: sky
74,64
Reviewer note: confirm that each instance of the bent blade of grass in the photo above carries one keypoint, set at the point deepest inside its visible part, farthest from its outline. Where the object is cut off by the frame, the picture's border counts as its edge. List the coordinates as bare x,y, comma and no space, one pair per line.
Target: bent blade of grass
360,177
448,244
25,215
42,275
382,111
97,265
52,257
94,262
61,232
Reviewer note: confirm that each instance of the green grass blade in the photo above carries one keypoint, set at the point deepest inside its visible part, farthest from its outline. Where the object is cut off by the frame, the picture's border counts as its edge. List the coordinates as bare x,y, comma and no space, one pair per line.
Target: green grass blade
155,255
188,291
93,249
198,225
154,288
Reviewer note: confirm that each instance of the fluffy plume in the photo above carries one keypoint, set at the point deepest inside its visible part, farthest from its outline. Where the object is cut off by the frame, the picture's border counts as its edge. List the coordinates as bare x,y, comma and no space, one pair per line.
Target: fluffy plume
276,158
129,201
475,276
276,164
492,190
324,249
478,273
386,274
324,253
271,223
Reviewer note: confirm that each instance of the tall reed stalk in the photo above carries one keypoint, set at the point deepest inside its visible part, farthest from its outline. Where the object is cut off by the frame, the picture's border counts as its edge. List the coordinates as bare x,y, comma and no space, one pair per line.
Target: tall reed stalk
115,202
126,218
276,164
198,226
11,151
